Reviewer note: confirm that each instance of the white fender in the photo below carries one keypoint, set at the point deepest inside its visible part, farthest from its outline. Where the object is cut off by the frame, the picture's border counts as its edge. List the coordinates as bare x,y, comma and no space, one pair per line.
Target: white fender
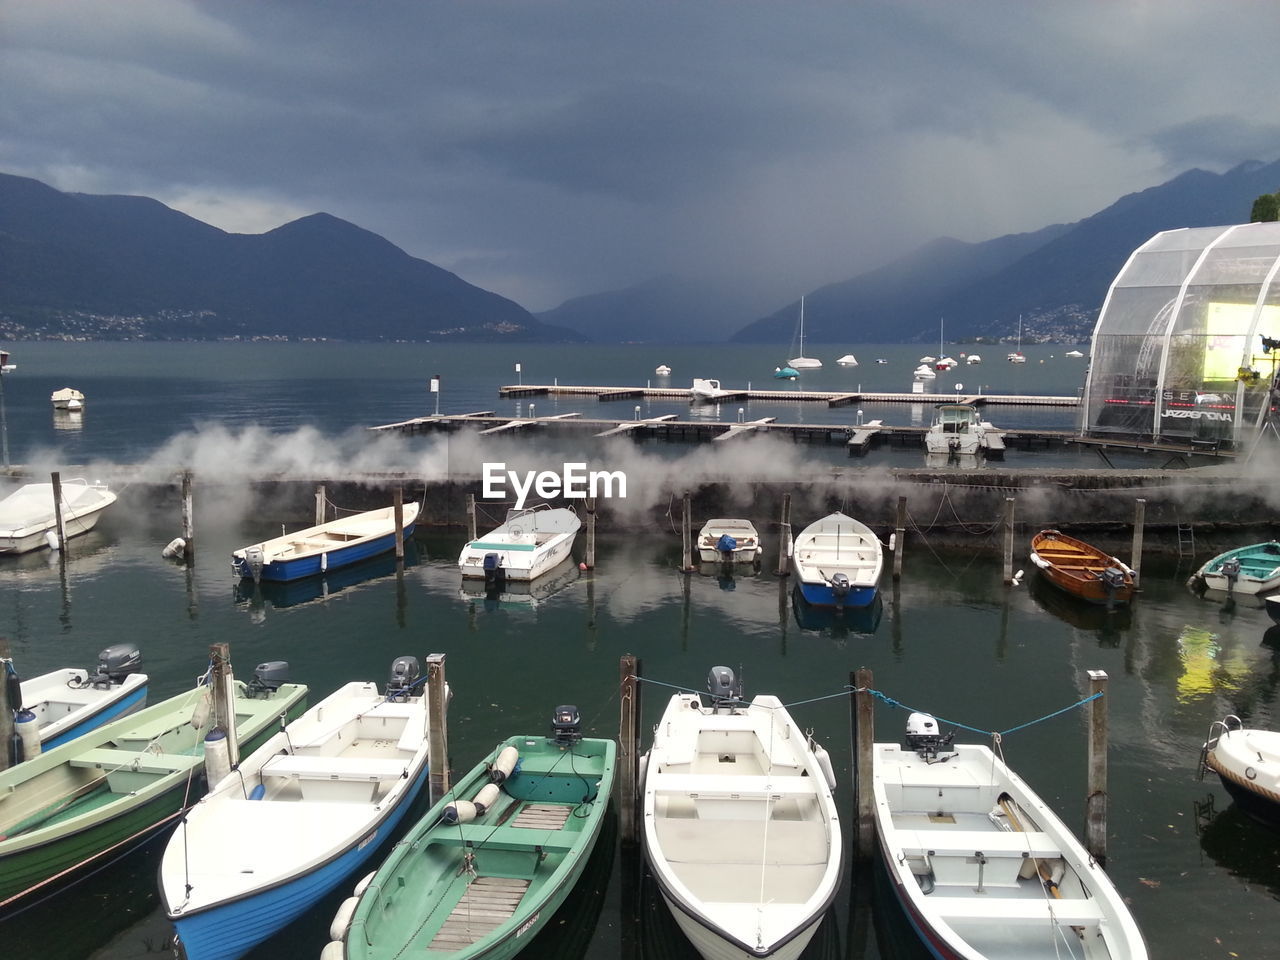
505,763
333,950
824,764
324,563
485,798
342,920
460,811
217,756
27,727
204,706
363,885
51,538
174,549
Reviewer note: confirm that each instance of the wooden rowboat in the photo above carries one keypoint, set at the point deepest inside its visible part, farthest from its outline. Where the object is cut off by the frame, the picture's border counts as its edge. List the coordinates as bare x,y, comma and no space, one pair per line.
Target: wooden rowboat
1081,569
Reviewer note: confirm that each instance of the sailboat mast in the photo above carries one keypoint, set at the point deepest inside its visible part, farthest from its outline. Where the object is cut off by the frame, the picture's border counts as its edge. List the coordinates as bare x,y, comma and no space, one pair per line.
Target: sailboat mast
802,324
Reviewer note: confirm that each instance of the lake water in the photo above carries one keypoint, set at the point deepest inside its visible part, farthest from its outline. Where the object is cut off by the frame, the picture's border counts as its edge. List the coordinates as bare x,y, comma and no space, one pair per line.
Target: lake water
1201,880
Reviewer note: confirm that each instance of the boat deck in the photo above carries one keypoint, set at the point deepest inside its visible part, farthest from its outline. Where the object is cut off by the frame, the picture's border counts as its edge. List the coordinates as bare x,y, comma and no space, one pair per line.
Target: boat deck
488,903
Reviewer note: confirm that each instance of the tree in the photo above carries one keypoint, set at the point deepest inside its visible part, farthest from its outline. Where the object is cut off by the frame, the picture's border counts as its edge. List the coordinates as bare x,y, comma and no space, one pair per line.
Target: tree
1266,208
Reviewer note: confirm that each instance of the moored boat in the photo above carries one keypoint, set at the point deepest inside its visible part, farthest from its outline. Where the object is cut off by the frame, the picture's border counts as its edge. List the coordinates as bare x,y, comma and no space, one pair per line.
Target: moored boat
837,562
729,541
68,398
786,373
662,370
70,702
741,831
922,372
490,863
802,362
526,545
1081,569
958,430
116,785
29,516
297,816
325,546
1251,569
1247,761
848,360
982,866
706,391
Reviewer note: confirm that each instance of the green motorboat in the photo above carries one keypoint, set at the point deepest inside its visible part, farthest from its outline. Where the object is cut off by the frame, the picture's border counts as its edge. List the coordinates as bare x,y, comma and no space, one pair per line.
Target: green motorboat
66,809
490,863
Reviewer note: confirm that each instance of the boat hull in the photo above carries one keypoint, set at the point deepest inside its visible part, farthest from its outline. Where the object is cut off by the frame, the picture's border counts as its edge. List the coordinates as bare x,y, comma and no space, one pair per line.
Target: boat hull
516,566
1247,761
282,571
823,595
25,524
107,711
1077,568
1259,570
712,946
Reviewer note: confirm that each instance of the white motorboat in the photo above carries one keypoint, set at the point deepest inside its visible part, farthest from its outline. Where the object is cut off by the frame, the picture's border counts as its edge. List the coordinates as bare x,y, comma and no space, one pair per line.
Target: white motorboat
802,362
946,363
71,701
881,360
927,359
838,561
528,544
922,372
703,391
297,816
1075,354
662,370
741,830
848,360
28,518
729,541
68,398
983,867
1247,761
957,430
972,359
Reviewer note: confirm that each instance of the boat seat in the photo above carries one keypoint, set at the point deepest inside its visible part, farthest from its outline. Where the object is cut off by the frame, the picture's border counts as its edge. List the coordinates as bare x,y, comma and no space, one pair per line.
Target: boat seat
730,786
990,843
139,762
1074,912
336,779
485,836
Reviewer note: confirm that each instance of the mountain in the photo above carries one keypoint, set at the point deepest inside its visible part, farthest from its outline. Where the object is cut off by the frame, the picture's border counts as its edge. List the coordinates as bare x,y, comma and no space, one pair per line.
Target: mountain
1055,278
666,309
112,266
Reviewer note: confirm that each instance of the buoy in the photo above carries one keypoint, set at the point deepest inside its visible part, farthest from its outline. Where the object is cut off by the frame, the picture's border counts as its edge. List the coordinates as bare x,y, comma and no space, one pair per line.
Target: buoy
217,757
258,792
505,763
204,706
27,727
582,566
824,764
486,798
342,919
363,885
333,950
460,811
51,538
175,549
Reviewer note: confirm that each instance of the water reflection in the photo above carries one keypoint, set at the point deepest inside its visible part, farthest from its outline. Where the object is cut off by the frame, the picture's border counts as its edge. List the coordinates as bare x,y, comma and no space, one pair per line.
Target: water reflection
292,593
1243,847
516,594
1109,624
837,624
68,419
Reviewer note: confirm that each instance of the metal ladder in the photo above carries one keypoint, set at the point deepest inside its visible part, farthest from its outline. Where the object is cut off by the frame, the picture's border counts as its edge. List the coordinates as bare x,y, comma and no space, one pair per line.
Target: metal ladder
1186,540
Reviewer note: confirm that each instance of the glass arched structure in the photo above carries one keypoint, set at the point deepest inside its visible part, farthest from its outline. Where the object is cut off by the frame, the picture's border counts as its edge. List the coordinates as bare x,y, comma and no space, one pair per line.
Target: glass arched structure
1182,348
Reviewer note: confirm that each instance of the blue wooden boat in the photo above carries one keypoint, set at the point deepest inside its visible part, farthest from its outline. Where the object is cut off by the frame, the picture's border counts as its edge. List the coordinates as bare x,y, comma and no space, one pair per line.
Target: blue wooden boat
324,547
1251,570
68,703
837,562
297,817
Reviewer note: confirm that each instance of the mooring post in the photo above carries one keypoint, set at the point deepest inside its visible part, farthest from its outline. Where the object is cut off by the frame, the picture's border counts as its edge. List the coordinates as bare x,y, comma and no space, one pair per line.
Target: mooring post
437,728
1135,553
686,531
188,520
397,513
862,713
224,698
1096,810
471,516
899,535
784,538
1008,540
321,504
629,752
59,526
7,737
591,533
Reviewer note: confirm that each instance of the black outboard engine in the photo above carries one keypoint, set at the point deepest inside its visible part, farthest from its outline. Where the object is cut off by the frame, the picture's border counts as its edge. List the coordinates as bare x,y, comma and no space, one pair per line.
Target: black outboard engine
115,663
923,736
840,588
267,677
1113,580
495,575
1231,570
404,676
725,688
566,725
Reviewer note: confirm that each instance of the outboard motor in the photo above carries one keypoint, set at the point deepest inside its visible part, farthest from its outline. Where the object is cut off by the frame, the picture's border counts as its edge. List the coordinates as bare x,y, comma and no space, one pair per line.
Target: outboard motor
267,677
840,588
404,675
115,663
566,725
725,688
923,736
1231,570
1113,580
726,545
495,575
254,560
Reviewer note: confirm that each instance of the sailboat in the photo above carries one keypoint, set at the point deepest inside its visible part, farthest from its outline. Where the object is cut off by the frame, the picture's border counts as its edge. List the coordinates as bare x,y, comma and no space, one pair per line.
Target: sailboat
943,362
802,362
1016,356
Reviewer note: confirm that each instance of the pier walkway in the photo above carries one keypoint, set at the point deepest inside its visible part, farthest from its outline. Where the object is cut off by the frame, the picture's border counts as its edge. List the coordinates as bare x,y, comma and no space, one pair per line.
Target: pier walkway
831,398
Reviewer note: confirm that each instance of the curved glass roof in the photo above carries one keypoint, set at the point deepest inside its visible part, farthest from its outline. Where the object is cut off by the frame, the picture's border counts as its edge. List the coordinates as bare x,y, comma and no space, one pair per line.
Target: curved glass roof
1181,350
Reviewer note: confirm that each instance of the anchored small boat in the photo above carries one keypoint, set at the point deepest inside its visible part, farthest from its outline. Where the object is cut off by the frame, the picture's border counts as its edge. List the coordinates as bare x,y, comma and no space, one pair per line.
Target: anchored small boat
729,541
1081,569
848,360
1247,761
741,830
297,817
325,546
29,516
114,786
787,372
922,372
68,398
67,703
526,545
662,370
706,391
983,867
802,362
1251,569
489,865
838,561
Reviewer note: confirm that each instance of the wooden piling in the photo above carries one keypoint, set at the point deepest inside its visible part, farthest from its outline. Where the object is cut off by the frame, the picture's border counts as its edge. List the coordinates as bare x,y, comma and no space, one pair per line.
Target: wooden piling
784,538
224,698
629,748
397,513
1135,553
437,729
590,560
59,524
471,516
7,737
1096,809
899,535
188,520
862,713
686,531
322,502
1008,540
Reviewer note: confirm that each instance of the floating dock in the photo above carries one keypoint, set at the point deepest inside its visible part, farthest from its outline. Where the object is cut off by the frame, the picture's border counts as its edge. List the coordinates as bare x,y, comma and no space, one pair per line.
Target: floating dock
832,398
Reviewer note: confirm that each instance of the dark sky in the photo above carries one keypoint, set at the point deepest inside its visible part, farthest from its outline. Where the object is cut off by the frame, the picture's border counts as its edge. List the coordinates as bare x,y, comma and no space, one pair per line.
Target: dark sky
545,149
